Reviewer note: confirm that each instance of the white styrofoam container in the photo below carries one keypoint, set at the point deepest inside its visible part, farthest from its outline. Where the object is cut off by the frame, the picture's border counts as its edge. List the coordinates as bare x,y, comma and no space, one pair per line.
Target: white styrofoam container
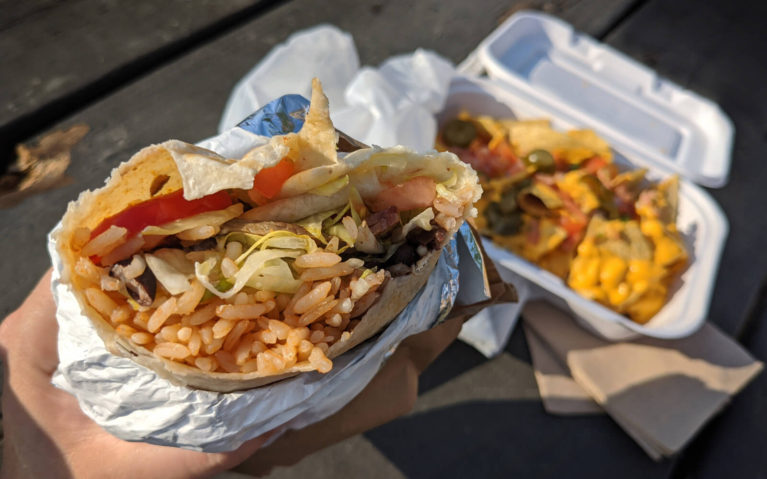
538,66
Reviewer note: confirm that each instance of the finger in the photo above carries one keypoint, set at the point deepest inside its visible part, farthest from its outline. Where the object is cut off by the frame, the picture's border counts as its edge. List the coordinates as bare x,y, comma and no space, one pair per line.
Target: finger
137,459
228,460
203,464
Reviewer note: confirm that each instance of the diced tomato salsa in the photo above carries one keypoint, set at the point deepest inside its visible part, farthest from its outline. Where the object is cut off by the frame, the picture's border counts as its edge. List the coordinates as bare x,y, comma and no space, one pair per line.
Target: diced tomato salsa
268,182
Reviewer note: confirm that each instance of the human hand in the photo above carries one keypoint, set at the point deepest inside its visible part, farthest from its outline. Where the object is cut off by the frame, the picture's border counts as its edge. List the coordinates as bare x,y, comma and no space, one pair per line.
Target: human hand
46,433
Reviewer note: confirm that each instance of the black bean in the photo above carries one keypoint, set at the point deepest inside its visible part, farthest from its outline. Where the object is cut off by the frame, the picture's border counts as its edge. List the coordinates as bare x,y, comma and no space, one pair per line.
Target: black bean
405,254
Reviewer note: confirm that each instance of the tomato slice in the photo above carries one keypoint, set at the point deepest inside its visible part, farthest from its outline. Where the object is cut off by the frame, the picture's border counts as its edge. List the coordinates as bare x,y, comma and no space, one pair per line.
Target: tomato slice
162,209
575,231
595,163
418,192
513,163
268,182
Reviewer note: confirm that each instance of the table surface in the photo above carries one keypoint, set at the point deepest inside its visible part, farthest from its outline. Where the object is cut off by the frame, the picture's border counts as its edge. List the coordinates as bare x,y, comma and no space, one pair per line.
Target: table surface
159,70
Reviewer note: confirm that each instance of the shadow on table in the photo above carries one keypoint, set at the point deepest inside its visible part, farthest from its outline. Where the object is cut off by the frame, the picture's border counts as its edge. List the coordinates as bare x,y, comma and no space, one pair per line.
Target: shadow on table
510,439
505,438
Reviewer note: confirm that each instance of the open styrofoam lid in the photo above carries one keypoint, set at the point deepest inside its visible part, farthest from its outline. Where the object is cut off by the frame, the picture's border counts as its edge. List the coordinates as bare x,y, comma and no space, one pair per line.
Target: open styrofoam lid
545,60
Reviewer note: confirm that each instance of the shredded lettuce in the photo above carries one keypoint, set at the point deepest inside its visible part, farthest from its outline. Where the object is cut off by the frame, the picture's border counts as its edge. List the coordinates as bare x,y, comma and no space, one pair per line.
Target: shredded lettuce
327,224
253,264
223,285
358,209
284,240
245,239
340,215
177,259
172,279
444,192
421,220
262,266
342,233
209,218
313,224
276,276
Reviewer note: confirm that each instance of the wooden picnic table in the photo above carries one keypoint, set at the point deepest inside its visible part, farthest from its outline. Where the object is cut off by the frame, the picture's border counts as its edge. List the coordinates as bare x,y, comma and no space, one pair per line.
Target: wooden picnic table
141,72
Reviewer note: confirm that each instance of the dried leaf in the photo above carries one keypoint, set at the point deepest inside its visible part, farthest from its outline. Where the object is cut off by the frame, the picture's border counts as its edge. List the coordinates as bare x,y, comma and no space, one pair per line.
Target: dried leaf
39,167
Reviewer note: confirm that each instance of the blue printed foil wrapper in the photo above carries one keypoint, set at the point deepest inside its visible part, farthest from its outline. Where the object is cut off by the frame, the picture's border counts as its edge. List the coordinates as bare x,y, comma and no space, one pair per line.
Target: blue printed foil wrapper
278,117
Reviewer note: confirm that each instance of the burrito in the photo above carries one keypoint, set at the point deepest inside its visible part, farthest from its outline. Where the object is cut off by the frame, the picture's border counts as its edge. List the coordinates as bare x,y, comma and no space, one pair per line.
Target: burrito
231,273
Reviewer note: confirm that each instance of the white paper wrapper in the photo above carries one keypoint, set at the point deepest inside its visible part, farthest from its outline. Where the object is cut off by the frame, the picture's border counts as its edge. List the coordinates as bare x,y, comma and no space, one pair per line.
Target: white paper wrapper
489,330
391,105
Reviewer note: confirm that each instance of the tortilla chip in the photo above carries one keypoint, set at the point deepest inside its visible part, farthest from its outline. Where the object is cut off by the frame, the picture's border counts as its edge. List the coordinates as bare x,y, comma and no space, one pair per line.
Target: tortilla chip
317,139
574,146
590,140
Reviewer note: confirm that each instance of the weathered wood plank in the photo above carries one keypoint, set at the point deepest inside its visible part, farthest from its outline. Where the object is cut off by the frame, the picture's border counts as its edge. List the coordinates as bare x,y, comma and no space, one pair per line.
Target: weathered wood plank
15,12
186,98
510,437
52,49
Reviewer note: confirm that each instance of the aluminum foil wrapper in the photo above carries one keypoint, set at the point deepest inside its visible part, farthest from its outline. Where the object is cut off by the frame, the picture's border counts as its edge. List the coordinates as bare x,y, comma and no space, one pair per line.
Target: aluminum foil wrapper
135,404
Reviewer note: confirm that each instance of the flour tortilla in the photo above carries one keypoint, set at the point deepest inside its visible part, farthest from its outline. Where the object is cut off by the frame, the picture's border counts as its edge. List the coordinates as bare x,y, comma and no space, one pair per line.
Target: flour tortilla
173,165
131,183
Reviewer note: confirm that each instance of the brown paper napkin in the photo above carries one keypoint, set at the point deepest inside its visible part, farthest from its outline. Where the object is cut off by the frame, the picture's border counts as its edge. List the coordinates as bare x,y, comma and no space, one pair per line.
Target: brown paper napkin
660,392
560,393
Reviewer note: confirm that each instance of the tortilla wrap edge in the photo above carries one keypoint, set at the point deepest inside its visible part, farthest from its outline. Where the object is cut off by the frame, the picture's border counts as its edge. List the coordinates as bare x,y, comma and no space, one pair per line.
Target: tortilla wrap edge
130,183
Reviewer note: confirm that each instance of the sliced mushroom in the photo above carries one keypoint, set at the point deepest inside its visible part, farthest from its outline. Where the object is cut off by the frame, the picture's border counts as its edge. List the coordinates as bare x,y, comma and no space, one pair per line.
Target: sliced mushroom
260,227
141,288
